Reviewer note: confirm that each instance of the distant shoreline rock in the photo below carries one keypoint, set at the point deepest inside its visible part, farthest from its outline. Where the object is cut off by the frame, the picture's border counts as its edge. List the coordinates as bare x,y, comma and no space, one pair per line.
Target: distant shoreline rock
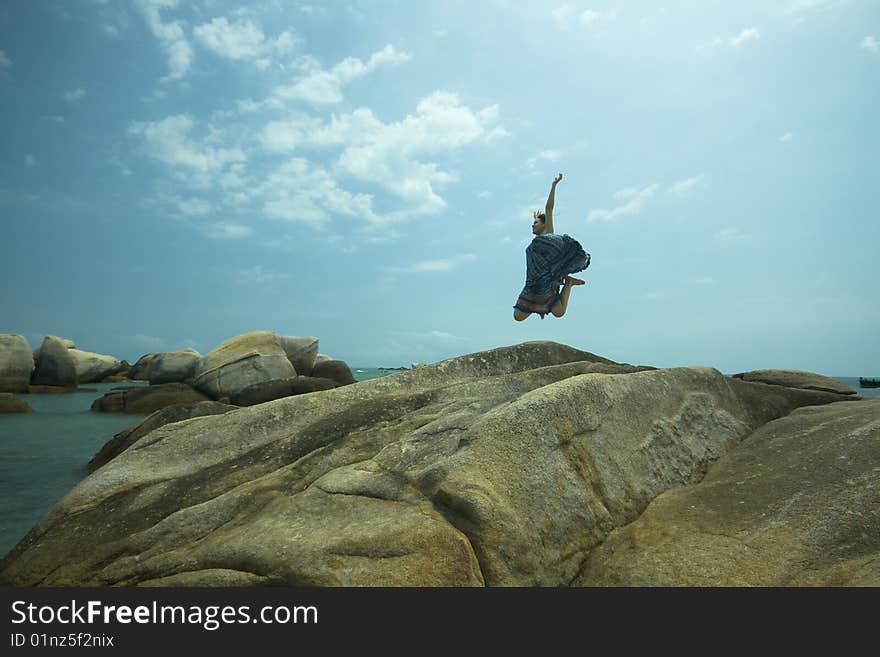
11,403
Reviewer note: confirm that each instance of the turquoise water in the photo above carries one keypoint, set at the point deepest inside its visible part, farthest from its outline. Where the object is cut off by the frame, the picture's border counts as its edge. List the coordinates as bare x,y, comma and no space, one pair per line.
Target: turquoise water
45,453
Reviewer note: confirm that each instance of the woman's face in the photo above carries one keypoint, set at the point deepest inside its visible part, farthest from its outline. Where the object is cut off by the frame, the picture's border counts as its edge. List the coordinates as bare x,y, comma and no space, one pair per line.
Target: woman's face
538,226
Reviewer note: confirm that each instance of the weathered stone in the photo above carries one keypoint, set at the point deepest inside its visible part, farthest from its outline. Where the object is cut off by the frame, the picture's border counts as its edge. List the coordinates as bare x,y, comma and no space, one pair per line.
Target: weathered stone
797,379
66,342
505,467
147,399
10,403
91,367
55,366
173,366
174,413
335,370
16,363
265,391
797,504
242,361
138,371
301,352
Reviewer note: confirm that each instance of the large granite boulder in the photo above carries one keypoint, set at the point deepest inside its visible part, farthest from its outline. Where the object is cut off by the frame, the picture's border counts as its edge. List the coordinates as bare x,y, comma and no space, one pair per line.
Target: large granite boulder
335,370
70,344
242,361
55,365
797,504
174,413
10,403
91,367
16,363
797,379
147,399
260,393
505,467
173,366
301,352
139,371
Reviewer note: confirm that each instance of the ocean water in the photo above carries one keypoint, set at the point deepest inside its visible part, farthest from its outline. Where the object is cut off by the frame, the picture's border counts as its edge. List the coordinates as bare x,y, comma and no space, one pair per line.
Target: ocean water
45,453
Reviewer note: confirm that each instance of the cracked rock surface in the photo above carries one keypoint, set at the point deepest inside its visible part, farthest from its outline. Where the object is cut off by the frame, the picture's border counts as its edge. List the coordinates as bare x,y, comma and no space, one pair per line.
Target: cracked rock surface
506,467
798,503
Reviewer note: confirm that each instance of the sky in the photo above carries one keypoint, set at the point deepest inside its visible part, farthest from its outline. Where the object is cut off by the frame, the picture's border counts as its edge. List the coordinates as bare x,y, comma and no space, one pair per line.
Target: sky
175,173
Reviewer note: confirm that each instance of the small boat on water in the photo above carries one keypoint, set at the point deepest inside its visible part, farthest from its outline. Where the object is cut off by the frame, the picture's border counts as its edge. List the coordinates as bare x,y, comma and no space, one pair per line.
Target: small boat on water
869,383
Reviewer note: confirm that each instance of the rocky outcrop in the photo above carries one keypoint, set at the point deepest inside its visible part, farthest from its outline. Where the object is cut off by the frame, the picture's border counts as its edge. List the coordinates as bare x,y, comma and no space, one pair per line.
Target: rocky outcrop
55,366
771,513
242,361
301,352
505,467
797,379
16,363
70,344
260,393
10,403
335,370
147,399
138,371
91,367
173,366
175,413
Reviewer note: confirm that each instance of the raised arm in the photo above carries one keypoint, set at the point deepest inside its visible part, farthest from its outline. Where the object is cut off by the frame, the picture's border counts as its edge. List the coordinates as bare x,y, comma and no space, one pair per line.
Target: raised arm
548,210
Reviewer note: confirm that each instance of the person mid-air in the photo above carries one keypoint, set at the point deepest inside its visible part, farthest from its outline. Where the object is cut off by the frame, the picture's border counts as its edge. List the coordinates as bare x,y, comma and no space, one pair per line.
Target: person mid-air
550,258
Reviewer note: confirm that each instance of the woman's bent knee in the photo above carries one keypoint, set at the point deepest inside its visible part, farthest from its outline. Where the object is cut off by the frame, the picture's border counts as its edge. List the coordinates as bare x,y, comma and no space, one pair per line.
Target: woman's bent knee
519,315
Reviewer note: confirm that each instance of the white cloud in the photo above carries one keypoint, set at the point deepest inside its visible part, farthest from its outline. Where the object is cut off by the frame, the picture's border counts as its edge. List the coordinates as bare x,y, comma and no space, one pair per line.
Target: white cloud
746,35
30,160
169,141
243,40
749,34
223,230
589,17
300,191
170,35
485,195
322,87
564,15
439,265
788,136
258,275
193,207
149,343
75,95
5,62
730,235
870,43
635,199
548,155
683,187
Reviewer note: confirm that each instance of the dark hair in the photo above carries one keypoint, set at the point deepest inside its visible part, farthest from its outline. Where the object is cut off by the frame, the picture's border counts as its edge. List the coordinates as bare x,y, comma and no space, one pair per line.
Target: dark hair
540,216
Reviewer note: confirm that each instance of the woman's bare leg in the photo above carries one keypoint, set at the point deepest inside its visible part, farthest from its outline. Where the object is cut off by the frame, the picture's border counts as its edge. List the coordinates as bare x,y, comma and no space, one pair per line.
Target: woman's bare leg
560,308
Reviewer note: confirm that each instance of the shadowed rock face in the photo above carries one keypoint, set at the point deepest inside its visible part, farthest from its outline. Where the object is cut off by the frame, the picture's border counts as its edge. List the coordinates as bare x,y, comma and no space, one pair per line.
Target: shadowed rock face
797,504
147,400
130,435
797,379
55,365
16,363
504,467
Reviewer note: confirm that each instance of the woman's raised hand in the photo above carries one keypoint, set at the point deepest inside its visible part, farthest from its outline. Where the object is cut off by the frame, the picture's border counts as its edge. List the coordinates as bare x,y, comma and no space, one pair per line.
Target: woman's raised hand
557,178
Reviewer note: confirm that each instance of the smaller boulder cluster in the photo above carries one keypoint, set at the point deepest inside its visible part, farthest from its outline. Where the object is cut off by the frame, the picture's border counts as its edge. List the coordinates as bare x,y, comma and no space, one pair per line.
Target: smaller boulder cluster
245,370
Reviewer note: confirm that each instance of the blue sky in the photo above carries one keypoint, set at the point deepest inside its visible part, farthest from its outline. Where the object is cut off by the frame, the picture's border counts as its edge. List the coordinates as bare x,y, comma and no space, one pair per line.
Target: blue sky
176,173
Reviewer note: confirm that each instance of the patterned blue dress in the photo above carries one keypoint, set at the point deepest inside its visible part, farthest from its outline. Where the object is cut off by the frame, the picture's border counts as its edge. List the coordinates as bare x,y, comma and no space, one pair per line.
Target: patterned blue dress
549,259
